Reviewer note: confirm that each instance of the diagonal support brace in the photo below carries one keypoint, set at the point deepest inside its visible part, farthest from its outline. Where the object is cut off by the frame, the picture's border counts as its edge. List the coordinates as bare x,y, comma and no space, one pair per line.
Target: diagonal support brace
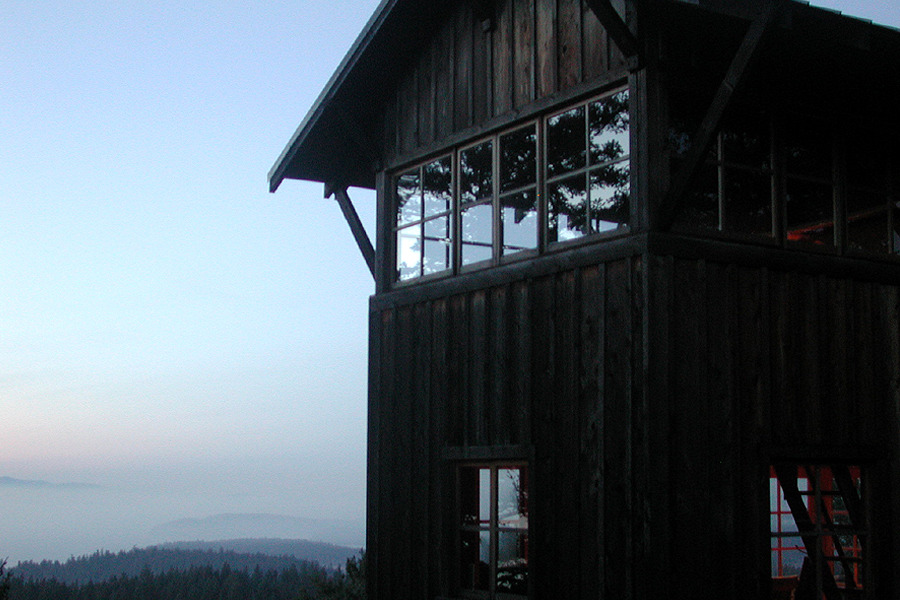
616,27
709,127
356,226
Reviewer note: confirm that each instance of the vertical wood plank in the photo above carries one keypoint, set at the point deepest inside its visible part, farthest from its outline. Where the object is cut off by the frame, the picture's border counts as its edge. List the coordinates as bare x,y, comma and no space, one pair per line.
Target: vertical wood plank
594,46
408,114
463,72
458,373
444,77
501,432
569,513
387,455
569,50
503,58
590,403
545,481
523,52
521,399
374,447
441,524
482,73
478,410
546,48
617,441
402,470
426,95
420,459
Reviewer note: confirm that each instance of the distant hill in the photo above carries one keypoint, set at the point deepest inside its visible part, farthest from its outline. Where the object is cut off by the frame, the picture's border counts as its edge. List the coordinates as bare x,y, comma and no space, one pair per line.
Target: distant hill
103,565
327,555
11,482
238,526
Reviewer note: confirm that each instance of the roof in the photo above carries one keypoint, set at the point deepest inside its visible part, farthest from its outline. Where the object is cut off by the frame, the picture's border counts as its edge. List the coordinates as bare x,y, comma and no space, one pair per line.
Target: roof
327,145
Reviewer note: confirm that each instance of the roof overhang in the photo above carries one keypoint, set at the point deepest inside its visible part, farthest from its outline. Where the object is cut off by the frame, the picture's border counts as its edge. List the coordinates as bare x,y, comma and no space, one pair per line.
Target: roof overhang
334,143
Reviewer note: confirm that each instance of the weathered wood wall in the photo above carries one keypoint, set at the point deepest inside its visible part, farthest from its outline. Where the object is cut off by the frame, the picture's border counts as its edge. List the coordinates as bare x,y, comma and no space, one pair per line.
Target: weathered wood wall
652,393
490,58
550,365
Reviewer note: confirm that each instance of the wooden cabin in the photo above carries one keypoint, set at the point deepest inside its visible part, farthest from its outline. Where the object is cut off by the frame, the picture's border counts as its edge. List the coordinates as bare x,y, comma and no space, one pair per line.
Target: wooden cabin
635,331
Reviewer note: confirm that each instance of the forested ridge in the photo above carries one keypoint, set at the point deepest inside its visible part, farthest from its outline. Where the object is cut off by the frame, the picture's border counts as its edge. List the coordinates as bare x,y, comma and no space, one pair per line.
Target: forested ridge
166,574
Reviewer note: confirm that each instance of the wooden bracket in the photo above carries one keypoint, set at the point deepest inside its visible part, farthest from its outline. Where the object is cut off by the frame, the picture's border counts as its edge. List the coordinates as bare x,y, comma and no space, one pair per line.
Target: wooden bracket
617,29
356,226
709,127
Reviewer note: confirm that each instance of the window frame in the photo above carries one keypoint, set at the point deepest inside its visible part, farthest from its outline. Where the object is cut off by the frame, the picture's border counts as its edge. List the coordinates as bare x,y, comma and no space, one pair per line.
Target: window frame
493,528
539,186
821,497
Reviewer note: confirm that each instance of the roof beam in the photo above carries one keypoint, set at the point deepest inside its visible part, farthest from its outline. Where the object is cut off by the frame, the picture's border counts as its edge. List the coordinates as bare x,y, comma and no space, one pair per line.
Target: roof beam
615,26
356,226
711,122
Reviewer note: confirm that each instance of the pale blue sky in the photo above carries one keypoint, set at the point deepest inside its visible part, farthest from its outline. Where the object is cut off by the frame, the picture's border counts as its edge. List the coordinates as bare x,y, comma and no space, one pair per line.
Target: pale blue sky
166,324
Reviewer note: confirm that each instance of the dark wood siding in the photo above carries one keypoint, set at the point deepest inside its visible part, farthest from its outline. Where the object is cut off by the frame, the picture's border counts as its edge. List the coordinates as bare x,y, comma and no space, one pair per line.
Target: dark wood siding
481,64
524,365
649,395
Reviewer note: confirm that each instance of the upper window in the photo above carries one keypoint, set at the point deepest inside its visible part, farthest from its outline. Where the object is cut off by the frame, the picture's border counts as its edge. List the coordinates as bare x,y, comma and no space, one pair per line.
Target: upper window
493,555
800,181
818,532
547,181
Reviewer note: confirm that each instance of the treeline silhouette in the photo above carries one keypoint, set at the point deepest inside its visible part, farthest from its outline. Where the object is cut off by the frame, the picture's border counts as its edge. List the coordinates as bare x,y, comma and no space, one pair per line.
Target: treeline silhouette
224,576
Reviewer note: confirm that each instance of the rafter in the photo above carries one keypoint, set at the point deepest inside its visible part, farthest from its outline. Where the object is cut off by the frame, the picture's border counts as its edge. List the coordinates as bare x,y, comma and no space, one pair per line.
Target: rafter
711,122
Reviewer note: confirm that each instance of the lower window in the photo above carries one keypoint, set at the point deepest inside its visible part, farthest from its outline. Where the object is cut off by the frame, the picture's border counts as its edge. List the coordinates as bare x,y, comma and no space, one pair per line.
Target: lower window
493,550
817,530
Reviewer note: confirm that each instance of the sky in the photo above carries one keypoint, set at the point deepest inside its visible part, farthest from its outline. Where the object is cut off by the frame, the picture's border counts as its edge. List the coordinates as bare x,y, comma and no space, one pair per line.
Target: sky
170,332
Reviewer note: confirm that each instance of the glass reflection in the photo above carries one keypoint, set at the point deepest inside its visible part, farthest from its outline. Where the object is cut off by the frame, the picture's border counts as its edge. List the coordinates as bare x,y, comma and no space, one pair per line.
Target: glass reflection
519,213
409,252
867,221
437,186
610,192
437,246
609,128
745,141
565,142
476,172
469,495
747,203
567,209
808,148
810,213
475,555
409,199
518,159
512,562
477,233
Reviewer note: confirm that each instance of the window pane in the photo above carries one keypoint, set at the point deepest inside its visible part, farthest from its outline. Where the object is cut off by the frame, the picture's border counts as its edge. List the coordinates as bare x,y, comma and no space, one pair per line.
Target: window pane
808,144
566,142
518,159
519,213
867,221
866,165
567,209
409,252
409,197
512,562
700,208
477,233
512,507
475,558
895,231
437,246
438,190
745,141
747,206
810,213
476,172
469,495
609,131
610,189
